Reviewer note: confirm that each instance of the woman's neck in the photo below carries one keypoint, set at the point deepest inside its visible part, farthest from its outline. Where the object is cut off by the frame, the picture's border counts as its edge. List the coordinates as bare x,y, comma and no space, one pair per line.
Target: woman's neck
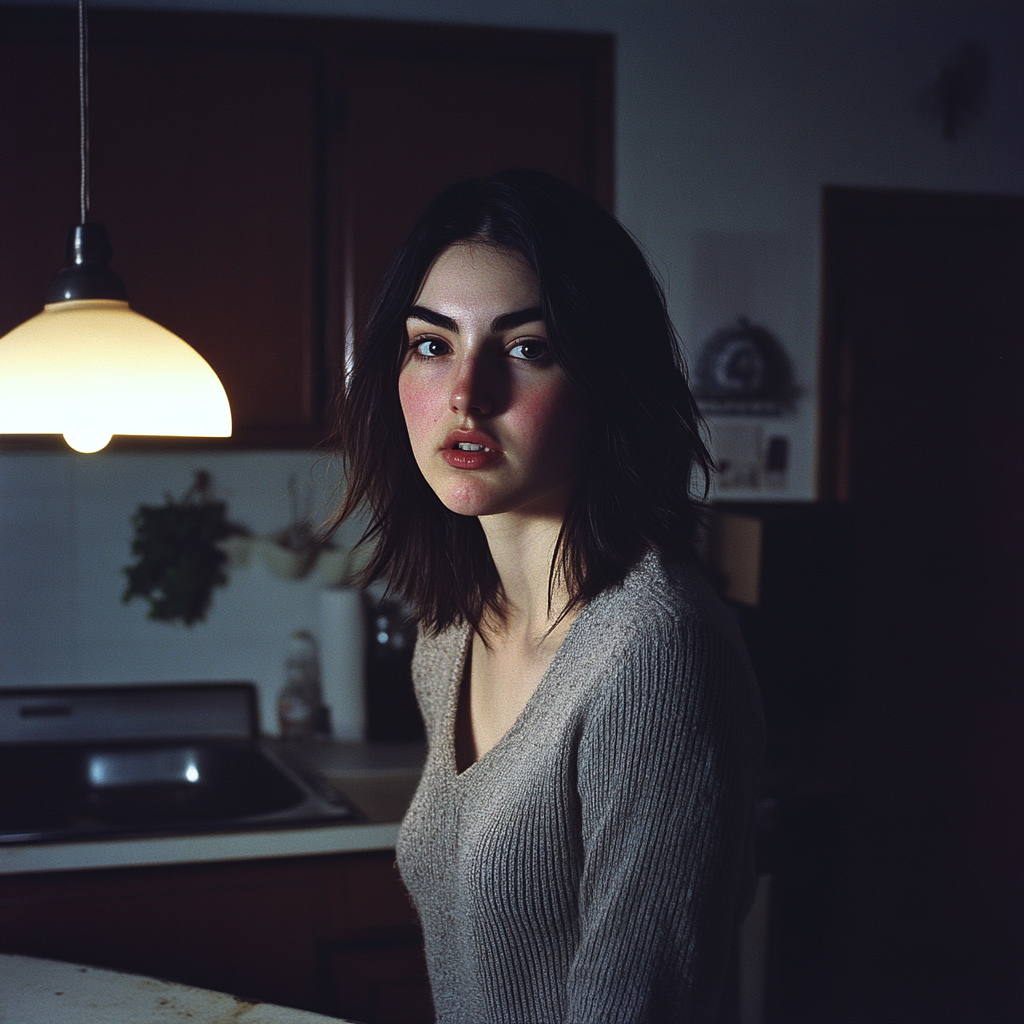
522,548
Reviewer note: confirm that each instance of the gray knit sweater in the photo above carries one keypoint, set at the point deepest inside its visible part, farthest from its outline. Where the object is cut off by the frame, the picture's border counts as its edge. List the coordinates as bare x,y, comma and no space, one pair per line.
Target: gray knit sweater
593,865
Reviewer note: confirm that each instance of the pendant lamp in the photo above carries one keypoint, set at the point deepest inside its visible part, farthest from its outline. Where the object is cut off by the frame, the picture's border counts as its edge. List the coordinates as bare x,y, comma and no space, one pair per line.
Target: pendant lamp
88,366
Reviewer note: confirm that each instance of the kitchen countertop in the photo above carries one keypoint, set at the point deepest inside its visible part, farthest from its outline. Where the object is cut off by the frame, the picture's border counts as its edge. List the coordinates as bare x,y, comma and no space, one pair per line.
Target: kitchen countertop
378,778
52,992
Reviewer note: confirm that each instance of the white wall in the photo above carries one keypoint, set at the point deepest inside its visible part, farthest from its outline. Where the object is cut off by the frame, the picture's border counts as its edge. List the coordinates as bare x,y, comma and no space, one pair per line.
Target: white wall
65,536
730,118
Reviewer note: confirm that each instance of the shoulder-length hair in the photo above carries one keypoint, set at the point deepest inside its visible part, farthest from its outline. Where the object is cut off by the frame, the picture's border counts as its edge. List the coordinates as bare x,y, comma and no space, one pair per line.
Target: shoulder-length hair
608,328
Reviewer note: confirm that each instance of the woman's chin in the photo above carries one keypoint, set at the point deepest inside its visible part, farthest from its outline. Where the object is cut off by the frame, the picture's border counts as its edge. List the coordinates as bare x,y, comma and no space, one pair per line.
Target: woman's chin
473,498
469,501
473,494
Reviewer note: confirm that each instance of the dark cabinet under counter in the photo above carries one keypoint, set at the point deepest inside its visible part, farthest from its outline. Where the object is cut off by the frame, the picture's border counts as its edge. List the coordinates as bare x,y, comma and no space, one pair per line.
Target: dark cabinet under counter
334,934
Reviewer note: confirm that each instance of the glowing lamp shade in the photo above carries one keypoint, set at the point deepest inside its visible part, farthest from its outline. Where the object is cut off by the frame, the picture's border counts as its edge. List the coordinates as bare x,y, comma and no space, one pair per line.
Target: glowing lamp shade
91,368
88,367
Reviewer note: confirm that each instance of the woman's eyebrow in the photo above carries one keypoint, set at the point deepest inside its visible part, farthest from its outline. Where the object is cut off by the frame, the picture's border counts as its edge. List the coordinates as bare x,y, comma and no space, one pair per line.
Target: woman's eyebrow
505,322
428,316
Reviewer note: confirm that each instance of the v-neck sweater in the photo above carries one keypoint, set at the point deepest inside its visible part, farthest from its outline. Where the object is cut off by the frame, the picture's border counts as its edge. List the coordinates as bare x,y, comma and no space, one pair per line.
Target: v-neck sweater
594,864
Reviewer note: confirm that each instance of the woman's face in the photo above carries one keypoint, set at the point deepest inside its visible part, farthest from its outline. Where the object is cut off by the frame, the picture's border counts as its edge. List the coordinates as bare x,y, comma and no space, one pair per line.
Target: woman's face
494,423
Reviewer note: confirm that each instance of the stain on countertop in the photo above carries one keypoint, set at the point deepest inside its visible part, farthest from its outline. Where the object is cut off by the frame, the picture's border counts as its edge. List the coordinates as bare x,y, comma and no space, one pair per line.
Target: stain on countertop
37,990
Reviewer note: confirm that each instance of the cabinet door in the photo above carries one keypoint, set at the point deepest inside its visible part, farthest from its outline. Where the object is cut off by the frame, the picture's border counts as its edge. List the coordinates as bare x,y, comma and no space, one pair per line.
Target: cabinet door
373,957
254,173
381,981
203,171
204,161
249,929
416,122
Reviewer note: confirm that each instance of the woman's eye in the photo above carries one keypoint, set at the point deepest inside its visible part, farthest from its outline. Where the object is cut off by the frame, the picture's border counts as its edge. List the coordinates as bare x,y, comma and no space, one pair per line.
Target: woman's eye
428,348
532,350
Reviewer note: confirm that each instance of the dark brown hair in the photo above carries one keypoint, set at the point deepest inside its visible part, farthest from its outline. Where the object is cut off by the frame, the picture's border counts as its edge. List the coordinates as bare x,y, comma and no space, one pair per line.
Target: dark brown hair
609,330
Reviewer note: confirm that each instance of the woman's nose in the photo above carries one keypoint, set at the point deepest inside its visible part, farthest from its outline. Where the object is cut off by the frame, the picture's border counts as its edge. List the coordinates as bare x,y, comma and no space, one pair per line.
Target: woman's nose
472,391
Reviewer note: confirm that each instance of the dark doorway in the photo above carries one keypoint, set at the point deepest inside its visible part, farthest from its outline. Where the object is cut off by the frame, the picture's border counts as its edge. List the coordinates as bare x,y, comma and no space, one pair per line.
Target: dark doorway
923,434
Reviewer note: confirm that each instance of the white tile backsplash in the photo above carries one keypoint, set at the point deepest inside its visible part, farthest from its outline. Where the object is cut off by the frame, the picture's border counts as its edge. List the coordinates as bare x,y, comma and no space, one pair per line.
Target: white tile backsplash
65,535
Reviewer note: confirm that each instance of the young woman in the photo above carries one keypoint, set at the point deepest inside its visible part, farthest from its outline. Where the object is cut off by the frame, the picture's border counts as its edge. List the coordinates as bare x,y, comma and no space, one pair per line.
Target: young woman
519,428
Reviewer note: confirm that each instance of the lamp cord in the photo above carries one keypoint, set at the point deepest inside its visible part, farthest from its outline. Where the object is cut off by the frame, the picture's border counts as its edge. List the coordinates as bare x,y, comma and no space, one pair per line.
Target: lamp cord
83,104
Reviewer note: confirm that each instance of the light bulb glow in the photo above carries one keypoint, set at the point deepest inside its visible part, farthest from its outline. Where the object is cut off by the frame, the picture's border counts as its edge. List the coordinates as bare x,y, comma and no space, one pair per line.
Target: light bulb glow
90,368
87,441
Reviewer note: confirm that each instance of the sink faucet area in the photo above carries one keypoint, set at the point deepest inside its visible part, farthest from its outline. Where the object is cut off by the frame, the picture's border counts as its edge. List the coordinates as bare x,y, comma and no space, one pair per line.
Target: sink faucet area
97,762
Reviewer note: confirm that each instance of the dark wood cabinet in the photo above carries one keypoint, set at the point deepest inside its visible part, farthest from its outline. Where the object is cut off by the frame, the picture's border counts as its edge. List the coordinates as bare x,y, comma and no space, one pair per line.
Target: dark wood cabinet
334,934
255,173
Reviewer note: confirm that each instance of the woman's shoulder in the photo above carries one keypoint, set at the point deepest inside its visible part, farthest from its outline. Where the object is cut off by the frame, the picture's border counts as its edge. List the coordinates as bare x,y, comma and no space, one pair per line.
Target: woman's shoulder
674,652
659,594
663,628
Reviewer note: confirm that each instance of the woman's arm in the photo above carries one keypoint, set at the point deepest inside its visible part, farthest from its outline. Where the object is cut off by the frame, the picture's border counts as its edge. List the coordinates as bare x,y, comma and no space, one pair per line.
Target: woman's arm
668,773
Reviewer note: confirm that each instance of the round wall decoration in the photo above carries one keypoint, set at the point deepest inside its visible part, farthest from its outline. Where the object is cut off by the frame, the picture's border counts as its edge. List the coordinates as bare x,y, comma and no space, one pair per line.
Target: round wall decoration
743,369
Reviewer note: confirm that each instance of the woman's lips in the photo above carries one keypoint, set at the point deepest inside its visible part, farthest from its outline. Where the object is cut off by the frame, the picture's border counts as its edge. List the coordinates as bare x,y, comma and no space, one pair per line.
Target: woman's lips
459,459
470,449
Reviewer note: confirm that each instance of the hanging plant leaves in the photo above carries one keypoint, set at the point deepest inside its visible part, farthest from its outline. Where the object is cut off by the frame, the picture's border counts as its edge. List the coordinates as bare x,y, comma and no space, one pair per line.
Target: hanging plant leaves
178,560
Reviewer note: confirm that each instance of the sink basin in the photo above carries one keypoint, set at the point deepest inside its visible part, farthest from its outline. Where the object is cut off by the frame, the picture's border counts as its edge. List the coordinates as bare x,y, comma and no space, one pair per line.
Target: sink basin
52,791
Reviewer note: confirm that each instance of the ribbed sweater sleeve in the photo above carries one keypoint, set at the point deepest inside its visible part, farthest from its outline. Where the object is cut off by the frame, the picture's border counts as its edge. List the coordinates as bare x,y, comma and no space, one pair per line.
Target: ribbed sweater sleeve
665,795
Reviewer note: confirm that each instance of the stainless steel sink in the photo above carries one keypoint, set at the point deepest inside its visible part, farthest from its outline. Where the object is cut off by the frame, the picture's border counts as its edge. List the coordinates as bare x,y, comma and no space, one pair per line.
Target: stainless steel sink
111,761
